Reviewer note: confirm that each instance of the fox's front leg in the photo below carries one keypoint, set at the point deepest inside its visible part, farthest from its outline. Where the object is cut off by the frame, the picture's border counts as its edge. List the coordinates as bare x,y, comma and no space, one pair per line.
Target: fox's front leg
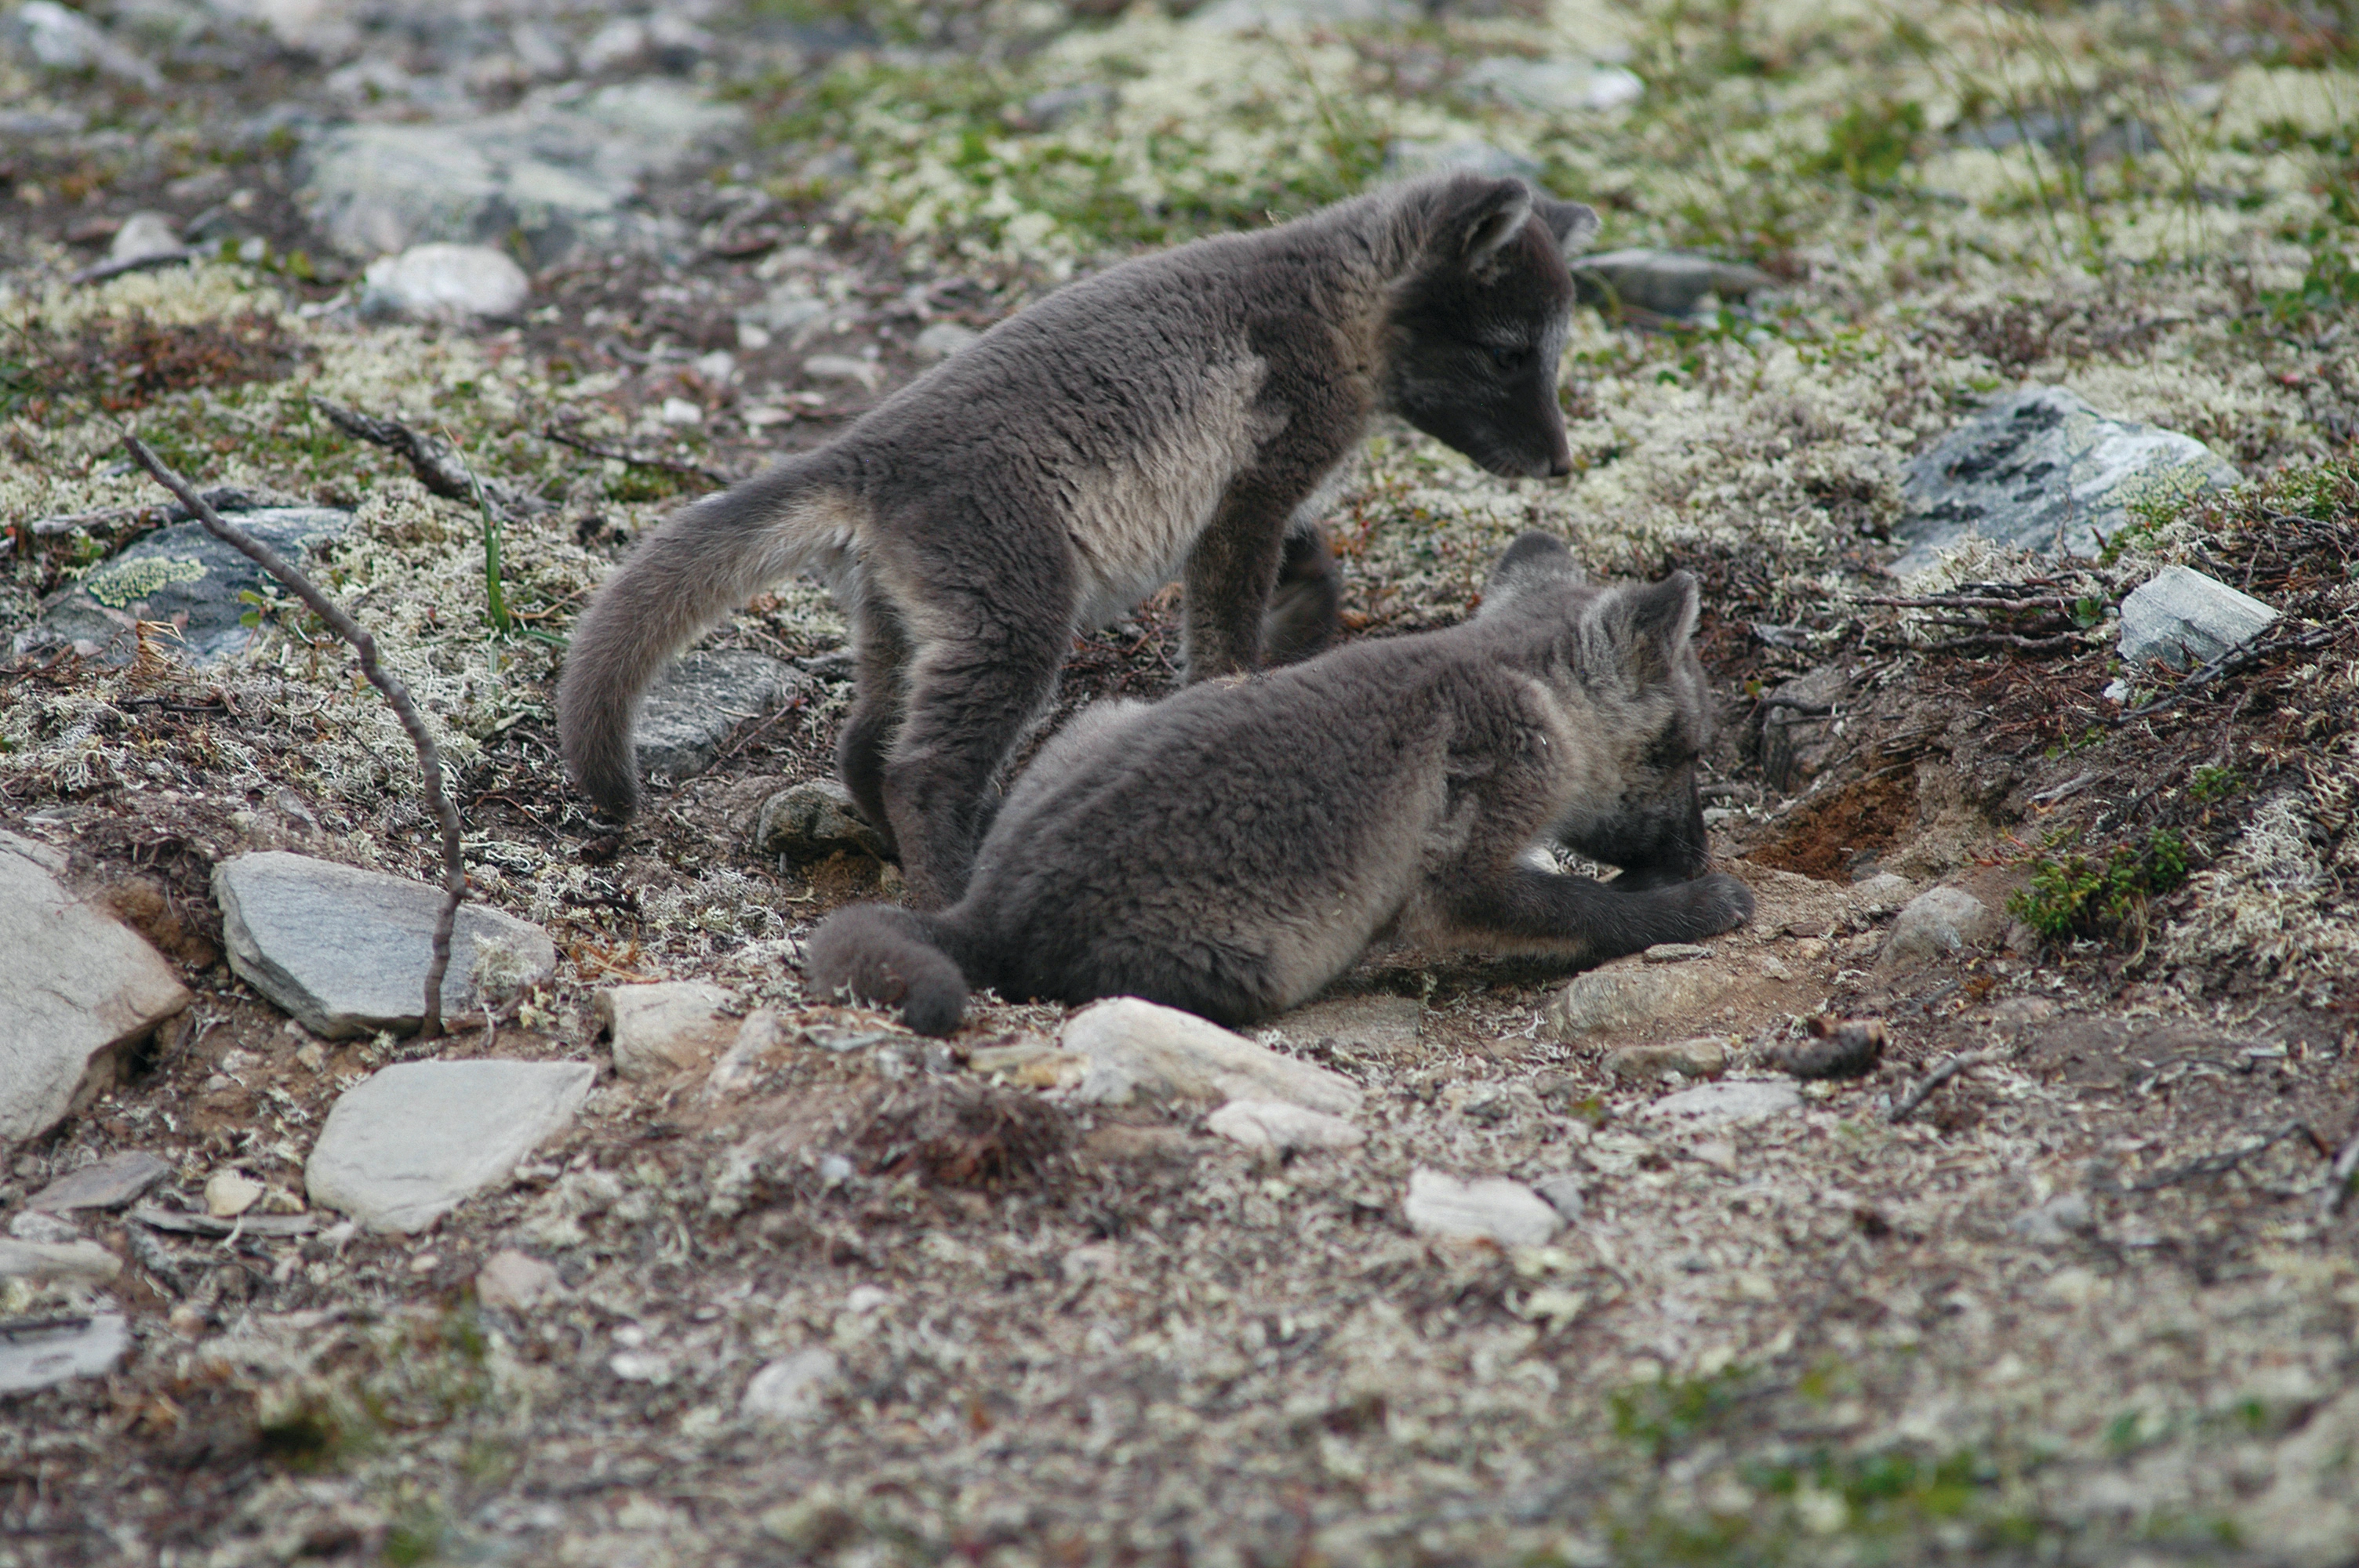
1526,909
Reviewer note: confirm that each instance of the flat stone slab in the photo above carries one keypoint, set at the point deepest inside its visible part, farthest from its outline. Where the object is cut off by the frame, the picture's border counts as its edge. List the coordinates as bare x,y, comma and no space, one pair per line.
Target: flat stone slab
1629,996
85,1261
1668,283
183,575
1387,1024
1726,1104
345,951
2042,470
42,1358
558,172
1277,1126
695,704
2184,618
410,1143
112,1182
663,1027
1136,1046
76,987
1495,1210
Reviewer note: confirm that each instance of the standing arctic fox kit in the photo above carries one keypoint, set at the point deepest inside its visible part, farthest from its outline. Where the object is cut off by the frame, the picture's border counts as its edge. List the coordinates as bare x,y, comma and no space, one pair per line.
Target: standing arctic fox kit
1176,414
1234,848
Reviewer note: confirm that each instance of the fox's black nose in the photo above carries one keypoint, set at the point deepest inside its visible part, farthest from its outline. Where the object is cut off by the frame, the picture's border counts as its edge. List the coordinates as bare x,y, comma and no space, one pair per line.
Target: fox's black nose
1560,465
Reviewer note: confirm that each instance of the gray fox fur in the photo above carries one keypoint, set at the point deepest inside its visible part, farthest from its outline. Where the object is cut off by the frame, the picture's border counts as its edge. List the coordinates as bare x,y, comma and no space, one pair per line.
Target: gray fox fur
1181,415
1234,848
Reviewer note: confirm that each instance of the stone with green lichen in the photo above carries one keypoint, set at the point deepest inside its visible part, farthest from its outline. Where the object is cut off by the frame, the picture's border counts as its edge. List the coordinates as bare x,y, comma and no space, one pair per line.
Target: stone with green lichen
184,577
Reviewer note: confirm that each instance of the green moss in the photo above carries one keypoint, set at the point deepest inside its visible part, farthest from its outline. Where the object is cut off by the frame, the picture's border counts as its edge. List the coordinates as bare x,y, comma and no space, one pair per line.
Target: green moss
2078,895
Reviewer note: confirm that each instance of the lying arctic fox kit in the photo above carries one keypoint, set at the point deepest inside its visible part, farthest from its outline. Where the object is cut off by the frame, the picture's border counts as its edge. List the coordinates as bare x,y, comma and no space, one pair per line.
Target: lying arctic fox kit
1175,416
1234,848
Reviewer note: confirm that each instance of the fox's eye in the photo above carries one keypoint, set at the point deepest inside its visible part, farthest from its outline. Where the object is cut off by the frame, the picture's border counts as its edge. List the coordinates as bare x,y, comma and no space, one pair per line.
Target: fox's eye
1509,358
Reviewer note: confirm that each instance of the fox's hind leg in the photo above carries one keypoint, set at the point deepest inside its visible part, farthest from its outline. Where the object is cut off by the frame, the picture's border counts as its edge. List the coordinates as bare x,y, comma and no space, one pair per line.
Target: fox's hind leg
881,692
988,653
1306,611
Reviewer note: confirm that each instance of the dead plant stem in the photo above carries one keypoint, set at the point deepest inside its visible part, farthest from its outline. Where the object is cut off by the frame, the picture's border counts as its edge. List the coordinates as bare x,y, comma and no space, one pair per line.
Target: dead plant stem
397,697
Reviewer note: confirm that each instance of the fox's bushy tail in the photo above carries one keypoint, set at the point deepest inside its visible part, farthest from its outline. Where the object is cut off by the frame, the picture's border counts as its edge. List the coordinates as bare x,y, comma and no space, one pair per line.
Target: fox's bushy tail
889,957
706,561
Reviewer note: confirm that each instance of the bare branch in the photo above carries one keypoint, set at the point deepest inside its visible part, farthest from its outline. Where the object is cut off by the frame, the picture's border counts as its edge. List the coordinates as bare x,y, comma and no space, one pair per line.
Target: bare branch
429,459
1948,1068
396,696
2214,1164
689,471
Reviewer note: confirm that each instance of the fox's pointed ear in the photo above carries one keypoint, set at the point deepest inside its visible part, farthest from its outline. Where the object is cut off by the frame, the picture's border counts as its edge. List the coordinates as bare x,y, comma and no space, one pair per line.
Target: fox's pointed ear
1481,228
1573,224
1534,557
1657,620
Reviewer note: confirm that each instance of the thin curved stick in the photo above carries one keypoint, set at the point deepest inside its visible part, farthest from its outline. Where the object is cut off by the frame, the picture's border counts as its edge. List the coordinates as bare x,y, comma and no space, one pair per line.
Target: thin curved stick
397,697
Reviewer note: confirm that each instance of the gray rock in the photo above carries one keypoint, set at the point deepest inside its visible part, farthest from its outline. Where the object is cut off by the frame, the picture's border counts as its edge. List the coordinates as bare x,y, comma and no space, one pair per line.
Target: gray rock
1722,1104
2041,470
345,951
2058,1219
2184,618
182,574
559,172
1508,1213
77,987
438,282
32,1225
144,234
1407,157
1702,1057
1137,1046
515,1280
1668,283
1259,15
1565,1193
942,340
703,696
664,1027
44,1357
1281,1128
1797,726
792,1388
1938,923
1674,953
811,821
1625,995
1550,86
631,44
1385,1025
59,39
112,1182
80,1262
1884,891
409,1144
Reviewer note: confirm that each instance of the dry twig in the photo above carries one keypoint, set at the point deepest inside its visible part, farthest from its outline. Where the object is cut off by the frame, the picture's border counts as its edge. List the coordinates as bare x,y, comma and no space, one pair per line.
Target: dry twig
689,471
2214,1164
437,466
2341,1175
397,697
1942,1072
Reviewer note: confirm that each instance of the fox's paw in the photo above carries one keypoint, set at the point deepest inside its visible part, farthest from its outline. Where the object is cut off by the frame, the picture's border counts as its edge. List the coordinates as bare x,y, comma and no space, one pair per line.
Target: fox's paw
1720,902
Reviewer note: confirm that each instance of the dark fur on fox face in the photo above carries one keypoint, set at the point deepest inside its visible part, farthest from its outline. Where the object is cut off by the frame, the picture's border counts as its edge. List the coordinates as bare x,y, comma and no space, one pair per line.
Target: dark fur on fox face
1653,826
1477,339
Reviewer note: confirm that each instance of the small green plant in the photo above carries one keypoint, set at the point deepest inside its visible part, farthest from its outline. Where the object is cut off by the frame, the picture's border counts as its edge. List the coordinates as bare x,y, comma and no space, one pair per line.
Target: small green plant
2212,783
2075,896
1873,142
1665,1418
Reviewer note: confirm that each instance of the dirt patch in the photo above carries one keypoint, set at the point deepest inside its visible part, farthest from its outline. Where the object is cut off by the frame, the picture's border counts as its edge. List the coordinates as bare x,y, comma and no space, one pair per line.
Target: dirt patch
1834,838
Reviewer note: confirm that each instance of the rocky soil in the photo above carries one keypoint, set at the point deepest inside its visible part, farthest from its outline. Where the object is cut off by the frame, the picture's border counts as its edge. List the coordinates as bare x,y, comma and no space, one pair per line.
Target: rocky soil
1983,1201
